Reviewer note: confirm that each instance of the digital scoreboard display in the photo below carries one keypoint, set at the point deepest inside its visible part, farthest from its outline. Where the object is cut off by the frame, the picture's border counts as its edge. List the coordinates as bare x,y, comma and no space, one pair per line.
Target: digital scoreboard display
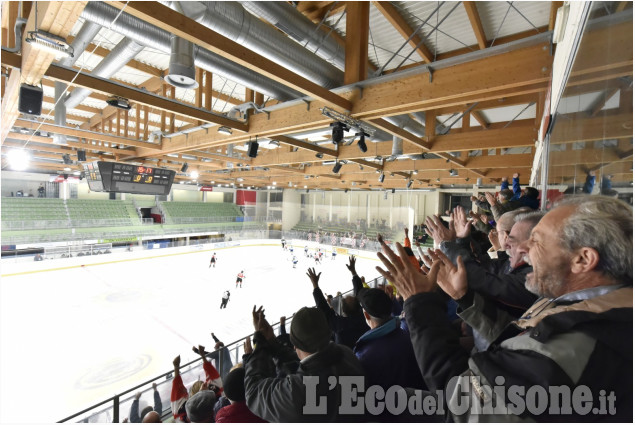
105,176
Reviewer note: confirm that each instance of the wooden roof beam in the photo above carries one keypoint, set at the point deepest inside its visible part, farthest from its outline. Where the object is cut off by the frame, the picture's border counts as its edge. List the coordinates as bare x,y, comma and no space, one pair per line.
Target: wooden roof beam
190,30
475,21
77,145
393,16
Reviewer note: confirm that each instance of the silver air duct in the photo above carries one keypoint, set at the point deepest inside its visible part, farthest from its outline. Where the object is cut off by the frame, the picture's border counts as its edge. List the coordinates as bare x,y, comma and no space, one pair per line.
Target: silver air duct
123,52
397,147
154,37
182,72
289,20
231,20
85,35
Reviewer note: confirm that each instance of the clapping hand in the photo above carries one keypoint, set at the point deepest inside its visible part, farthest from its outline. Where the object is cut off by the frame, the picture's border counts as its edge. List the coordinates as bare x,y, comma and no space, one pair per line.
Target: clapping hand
261,324
462,227
452,279
351,264
438,231
403,274
315,278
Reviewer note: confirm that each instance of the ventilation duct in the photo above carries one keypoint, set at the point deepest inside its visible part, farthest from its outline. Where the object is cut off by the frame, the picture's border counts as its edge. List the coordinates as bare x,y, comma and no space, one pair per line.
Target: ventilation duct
289,20
86,34
408,124
125,51
182,72
154,37
231,20
397,146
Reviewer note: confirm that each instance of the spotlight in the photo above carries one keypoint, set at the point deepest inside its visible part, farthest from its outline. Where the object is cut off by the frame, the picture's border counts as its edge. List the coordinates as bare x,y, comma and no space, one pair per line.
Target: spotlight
118,102
67,159
225,130
454,173
337,167
338,131
362,141
382,176
184,167
319,155
409,184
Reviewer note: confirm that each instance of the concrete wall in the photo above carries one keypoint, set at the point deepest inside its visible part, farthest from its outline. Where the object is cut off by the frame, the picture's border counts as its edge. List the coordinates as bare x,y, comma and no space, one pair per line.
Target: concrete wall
290,208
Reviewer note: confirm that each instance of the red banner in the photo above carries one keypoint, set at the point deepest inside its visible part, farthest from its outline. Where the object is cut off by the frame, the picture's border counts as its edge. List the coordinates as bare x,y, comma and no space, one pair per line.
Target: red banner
245,197
206,188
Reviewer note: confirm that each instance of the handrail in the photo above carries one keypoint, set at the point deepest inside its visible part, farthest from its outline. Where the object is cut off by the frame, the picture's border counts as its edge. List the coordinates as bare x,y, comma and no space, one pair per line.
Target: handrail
116,398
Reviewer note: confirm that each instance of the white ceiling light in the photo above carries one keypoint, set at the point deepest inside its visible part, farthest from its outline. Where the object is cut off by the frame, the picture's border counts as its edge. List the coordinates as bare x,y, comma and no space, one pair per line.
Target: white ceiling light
18,159
194,174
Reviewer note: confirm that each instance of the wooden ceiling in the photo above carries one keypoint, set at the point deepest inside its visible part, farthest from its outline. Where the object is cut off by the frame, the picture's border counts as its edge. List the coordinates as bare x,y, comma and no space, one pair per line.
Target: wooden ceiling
482,80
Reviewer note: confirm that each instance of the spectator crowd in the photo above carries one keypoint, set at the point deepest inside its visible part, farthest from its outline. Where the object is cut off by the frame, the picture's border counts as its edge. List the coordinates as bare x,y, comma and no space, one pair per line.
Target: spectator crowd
513,306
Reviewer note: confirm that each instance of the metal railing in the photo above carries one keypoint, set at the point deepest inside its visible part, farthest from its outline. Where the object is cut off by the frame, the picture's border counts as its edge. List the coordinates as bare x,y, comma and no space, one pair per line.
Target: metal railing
109,410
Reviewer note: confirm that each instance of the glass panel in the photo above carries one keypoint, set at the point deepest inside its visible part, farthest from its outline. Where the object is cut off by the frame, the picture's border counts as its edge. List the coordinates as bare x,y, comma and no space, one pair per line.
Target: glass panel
591,145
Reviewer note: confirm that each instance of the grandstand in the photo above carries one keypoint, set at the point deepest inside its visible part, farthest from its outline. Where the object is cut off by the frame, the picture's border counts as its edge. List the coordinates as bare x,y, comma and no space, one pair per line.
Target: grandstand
38,220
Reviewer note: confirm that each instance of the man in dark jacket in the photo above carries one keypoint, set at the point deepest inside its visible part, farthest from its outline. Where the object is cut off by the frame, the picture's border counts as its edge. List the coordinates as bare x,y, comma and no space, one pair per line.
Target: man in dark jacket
385,351
576,340
346,328
314,392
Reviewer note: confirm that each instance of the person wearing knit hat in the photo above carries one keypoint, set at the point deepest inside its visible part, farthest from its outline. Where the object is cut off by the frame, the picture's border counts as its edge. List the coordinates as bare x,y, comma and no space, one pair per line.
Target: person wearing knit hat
280,394
200,407
237,411
385,351
310,331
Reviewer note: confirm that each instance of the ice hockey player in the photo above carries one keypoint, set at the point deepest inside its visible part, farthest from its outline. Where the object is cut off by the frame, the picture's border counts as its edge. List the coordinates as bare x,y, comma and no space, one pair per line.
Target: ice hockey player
306,251
294,260
239,279
212,261
333,253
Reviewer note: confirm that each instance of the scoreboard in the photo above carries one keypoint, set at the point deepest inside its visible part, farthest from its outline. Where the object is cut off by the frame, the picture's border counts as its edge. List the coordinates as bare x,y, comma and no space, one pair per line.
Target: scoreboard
105,176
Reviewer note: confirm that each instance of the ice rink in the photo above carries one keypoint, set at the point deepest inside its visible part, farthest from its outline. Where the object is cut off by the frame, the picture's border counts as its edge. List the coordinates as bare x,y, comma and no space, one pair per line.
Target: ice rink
74,332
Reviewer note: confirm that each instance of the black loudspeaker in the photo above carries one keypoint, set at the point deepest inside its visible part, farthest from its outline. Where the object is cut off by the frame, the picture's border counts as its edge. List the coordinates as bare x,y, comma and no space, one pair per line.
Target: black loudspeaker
67,159
30,100
393,190
184,167
81,155
65,176
253,149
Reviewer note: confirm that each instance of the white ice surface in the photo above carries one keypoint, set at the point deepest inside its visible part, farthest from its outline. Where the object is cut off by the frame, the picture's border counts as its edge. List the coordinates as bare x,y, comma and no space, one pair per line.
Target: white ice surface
72,335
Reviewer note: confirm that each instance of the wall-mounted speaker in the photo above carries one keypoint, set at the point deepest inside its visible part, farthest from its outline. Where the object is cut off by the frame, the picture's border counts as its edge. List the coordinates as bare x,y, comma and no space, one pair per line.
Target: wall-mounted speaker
184,167
30,101
253,149
81,155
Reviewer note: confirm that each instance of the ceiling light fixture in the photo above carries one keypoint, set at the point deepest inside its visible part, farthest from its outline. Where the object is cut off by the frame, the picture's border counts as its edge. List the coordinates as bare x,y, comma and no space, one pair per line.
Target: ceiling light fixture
338,131
454,173
337,167
225,130
119,102
50,42
18,159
